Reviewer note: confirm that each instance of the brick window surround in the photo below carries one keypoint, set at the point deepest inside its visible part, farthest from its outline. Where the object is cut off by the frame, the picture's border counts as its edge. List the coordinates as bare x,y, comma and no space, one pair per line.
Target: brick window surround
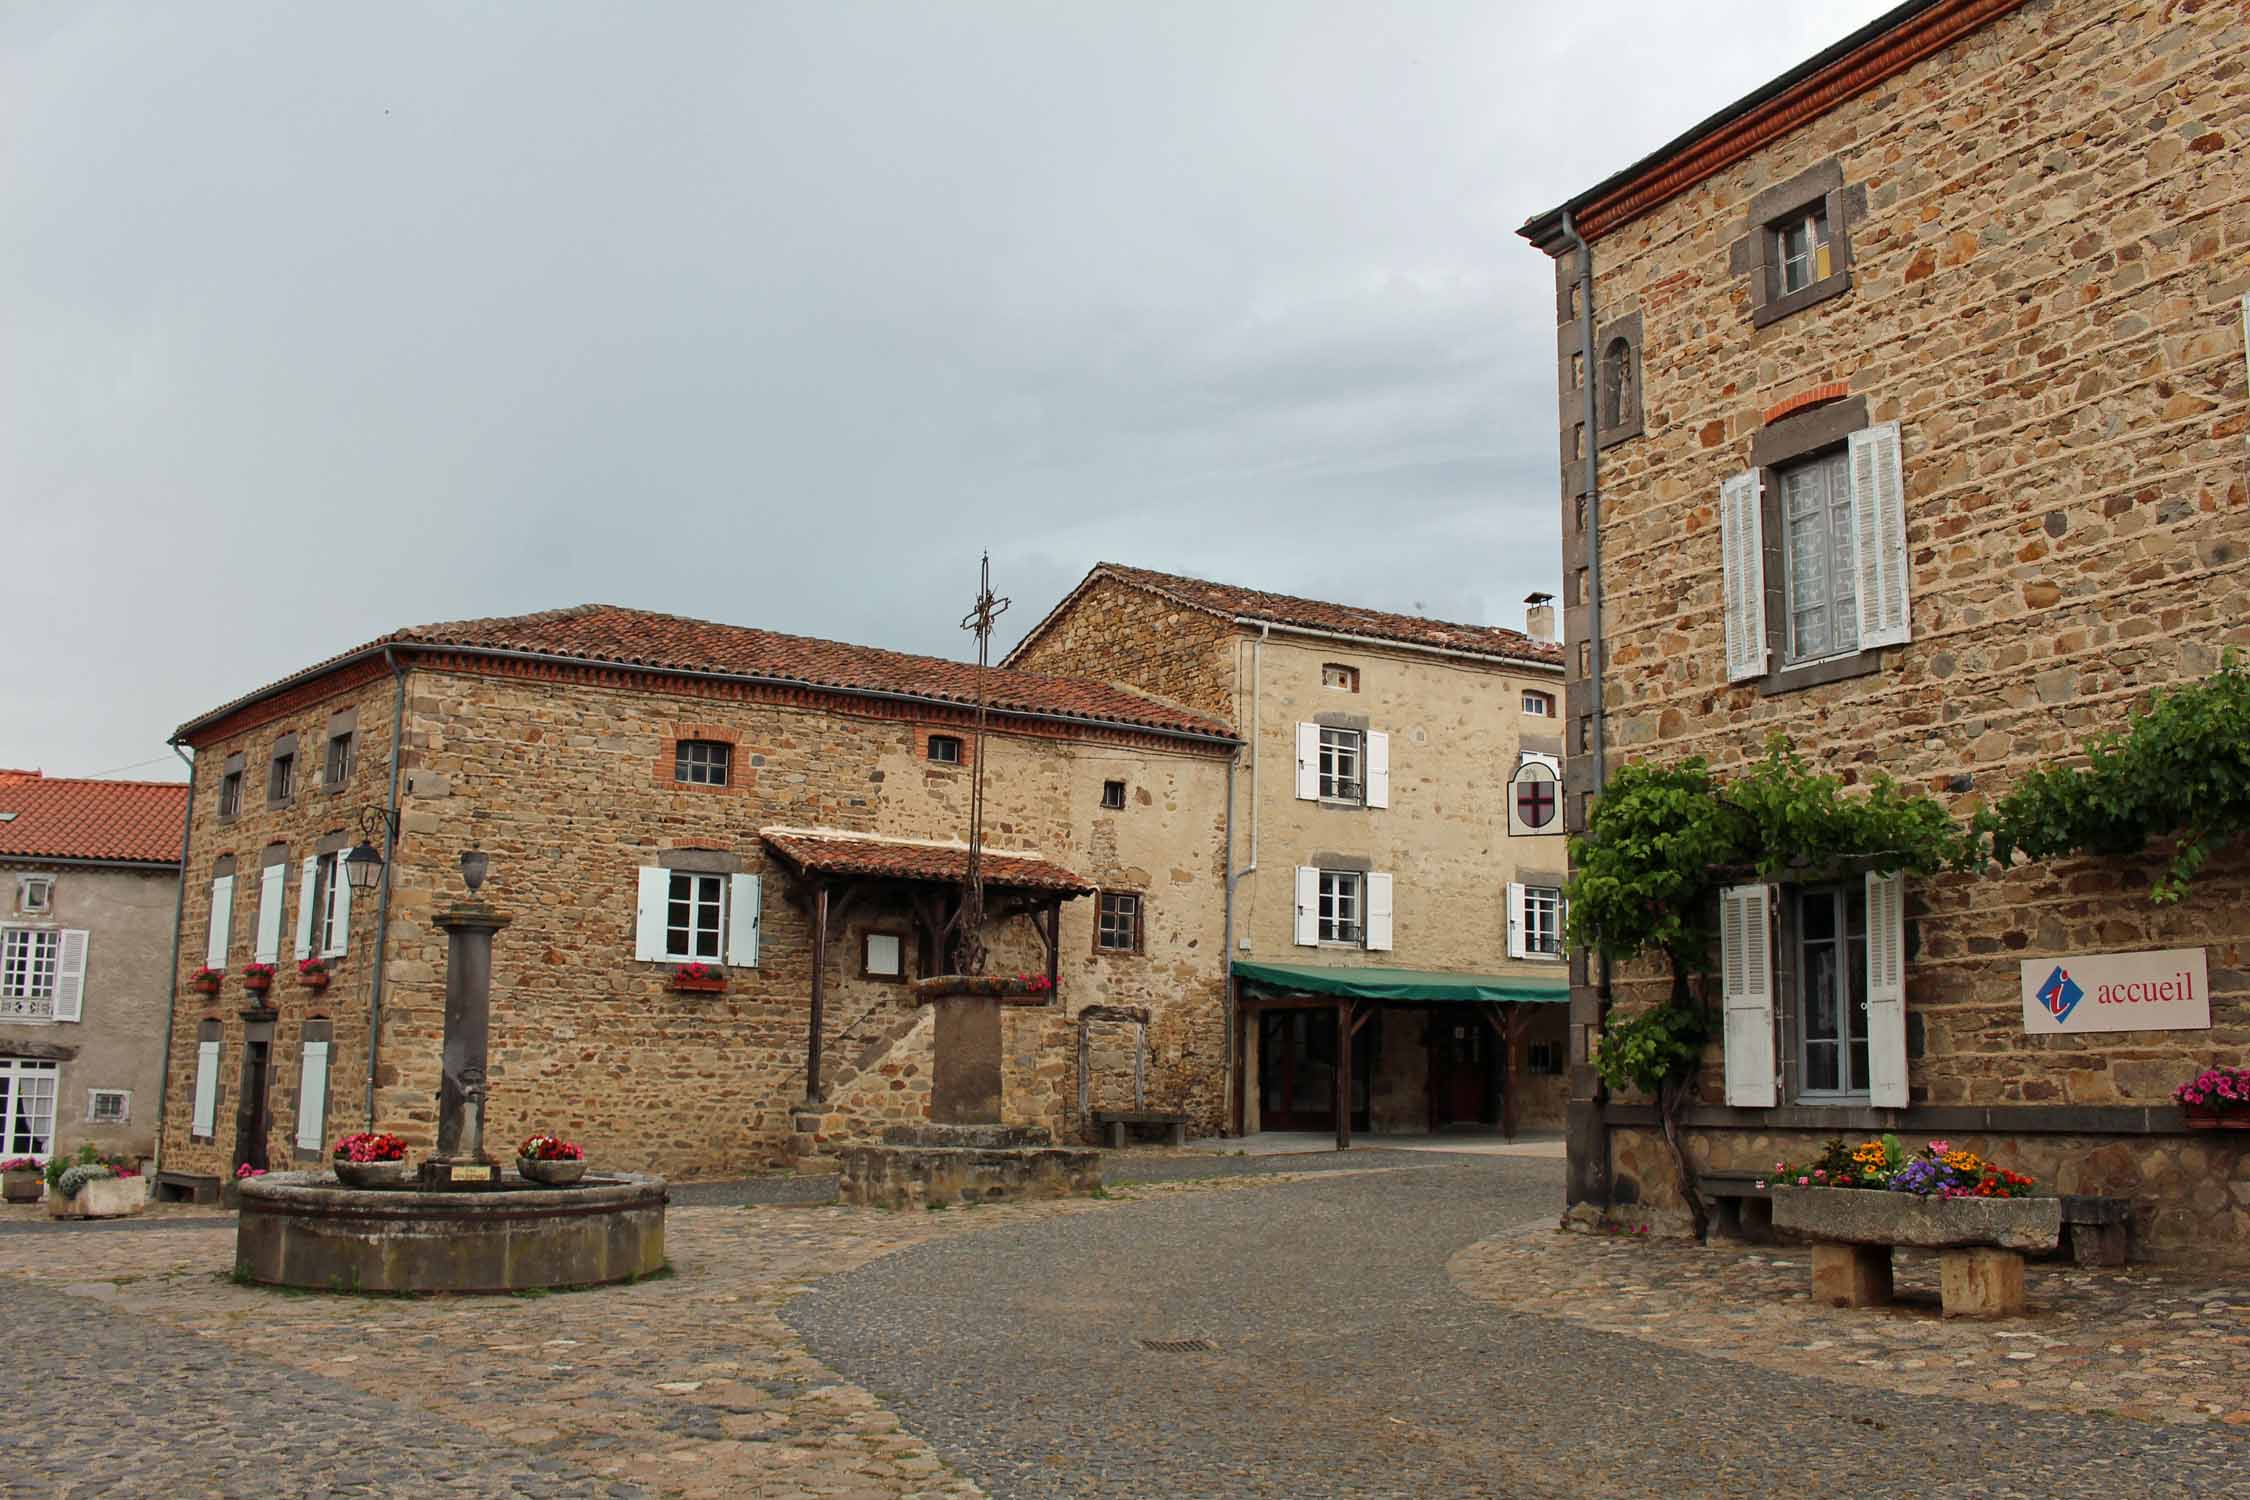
924,733
1820,188
1804,434
742,770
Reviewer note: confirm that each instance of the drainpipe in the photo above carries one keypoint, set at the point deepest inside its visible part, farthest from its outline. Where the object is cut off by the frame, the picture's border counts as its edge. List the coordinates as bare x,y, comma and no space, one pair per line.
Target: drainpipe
1226,970
1589,1175
172,985
390,874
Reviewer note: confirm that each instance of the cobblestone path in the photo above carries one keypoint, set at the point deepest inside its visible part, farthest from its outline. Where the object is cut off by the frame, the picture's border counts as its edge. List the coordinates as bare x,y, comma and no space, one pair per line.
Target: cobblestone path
1347,1361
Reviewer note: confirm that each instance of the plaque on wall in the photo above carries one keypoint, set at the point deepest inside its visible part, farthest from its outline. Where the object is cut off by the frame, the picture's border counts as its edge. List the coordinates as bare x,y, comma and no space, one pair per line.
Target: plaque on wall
2164,990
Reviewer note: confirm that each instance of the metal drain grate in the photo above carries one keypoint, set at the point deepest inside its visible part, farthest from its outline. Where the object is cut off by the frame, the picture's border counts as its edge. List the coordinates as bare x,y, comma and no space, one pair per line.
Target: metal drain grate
1178,1346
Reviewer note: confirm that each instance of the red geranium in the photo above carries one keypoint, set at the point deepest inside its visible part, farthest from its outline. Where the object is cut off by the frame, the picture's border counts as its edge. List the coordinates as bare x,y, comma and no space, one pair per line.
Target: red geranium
370,1146
545,1147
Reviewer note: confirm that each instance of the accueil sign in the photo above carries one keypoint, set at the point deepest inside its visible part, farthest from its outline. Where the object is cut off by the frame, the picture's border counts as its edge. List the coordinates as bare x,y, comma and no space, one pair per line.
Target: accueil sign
2167,990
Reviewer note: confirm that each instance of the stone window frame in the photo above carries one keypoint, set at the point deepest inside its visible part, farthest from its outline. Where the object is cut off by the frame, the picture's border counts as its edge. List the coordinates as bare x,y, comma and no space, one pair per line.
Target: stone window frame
35,895
905,954
1102,899
342,726
232,772
740,770
1755,254
281,772
1632,420
1810,433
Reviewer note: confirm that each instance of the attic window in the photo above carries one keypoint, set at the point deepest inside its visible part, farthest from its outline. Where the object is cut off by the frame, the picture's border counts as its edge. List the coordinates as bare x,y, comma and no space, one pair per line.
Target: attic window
1113,794
35,893
1343,679
945,749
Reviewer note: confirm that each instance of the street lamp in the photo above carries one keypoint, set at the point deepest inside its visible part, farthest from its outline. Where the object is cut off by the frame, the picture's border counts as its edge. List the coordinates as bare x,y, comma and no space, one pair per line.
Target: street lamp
363,867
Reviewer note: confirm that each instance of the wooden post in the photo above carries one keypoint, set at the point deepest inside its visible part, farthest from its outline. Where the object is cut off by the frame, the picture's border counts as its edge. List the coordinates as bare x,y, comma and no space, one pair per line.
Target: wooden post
1054,954
819,976
1510,1115
1343,1075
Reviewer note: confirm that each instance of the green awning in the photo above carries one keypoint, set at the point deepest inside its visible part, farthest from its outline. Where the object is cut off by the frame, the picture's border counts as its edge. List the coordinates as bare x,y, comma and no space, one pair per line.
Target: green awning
1421,985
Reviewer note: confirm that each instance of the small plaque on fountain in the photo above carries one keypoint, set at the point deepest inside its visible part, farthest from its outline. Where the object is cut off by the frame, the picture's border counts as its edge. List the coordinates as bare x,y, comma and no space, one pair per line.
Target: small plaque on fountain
463,1172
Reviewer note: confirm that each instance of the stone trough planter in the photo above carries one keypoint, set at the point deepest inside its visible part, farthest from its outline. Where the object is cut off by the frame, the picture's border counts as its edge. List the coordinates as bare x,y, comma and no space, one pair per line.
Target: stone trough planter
21,1187
1981,1243
103,1198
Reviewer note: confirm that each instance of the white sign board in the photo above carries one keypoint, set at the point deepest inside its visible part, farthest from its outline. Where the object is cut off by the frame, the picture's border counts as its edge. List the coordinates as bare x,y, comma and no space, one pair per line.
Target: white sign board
2167,990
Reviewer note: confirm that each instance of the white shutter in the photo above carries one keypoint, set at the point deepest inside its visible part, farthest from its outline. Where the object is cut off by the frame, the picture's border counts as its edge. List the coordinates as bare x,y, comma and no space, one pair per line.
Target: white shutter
1379,913
312,1096
340,897
305,906
648,916
1308,906
222,923
270,902
1746,978
1879,527
1886,990
70,975
742,921
1743,552
1516,947
1378,770
206,1089
1308,762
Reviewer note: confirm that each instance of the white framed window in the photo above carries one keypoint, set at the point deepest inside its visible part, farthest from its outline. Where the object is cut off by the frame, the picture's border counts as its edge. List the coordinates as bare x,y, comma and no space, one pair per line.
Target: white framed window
1819,559
35,894
324,907
1340,762
1535,921
1539,705
1340,677
30,961
1343,906
109,1106
695,916
1801,250
281,778
1831,953
27,1106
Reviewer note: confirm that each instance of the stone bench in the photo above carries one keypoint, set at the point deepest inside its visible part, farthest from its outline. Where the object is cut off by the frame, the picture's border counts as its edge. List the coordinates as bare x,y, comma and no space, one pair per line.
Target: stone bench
2096,1229
1112,1123
1981,1243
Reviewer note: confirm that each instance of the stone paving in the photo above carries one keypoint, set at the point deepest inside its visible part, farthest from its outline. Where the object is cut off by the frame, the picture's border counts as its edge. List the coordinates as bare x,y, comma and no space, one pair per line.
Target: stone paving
2155,1344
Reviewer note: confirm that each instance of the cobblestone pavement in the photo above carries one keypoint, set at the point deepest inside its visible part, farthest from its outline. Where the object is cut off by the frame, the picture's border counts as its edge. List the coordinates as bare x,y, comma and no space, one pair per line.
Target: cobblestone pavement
2151,1343
1346,1361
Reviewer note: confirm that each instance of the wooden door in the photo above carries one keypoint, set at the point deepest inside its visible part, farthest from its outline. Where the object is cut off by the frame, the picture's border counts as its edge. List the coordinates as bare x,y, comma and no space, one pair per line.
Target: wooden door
1460,1069
255,1119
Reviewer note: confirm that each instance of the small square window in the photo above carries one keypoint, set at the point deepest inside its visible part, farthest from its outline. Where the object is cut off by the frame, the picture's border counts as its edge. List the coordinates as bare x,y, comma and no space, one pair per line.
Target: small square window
35,893
1544,1059
1113,794
230,795
1117,926
703,762
883,956
945,749
336,764
1342,678
108,1106
1801,251
281,778
1539,705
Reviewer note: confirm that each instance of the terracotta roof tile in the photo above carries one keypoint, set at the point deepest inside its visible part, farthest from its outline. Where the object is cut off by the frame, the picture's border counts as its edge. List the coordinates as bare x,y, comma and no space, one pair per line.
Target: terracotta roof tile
912,859
644,638
70,817
1237,602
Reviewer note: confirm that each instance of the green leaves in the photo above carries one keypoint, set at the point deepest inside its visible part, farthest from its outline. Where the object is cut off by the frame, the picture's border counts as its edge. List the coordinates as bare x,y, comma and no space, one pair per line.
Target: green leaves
1661,1045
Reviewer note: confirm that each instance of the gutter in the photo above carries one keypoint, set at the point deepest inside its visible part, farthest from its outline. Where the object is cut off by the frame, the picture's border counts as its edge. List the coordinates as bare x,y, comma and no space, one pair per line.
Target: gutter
42,861
383,902
1385,643
172,981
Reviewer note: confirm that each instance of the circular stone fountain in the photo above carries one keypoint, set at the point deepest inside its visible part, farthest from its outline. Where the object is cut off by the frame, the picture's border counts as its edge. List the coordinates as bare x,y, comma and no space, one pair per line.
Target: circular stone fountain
303,1229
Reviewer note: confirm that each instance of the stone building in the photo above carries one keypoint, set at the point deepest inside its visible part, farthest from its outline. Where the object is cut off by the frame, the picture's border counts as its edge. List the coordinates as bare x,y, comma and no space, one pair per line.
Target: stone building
1902,409
90,872
1395,898
654,793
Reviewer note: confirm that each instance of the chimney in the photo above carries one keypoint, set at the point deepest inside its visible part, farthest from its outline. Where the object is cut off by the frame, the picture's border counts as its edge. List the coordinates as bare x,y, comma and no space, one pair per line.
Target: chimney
1539,616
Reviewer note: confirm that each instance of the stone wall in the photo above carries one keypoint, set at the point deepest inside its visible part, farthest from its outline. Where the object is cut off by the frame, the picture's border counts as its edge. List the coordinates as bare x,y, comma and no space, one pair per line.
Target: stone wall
2049,253
1112,632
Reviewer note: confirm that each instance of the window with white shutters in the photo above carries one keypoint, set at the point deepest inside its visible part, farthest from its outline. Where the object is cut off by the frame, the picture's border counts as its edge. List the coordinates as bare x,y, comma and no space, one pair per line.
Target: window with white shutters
203,1122
28,1087
1886,990
1746,987
30,964
217,936
693,916
1879,518
1742,541
312,1096
1831,973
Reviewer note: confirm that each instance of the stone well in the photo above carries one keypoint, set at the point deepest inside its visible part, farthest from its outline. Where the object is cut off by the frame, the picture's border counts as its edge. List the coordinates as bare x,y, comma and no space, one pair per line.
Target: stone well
303,1229
936,1164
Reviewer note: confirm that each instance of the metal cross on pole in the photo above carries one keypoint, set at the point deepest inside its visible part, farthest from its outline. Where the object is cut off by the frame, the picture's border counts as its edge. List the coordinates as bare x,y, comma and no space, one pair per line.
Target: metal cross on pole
978,622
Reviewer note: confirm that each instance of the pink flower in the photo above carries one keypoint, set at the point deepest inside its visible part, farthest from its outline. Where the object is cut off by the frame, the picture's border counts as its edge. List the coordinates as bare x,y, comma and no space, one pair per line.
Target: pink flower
1820,1171
1804,1182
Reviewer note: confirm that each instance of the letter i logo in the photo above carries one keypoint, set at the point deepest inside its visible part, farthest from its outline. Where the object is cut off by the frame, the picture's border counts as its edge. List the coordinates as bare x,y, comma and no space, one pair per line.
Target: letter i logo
2060,994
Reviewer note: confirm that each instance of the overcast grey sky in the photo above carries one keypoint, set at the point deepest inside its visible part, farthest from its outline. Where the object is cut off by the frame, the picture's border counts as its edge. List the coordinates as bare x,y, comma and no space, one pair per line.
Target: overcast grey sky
316,321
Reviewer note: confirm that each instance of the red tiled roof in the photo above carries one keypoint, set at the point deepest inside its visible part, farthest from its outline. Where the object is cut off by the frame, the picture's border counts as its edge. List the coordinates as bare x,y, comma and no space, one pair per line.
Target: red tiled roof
70,817
613,634
909,859
1236,602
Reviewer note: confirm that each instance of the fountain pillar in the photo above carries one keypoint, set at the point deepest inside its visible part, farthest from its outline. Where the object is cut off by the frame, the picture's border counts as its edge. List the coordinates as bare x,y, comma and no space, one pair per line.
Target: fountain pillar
461,1160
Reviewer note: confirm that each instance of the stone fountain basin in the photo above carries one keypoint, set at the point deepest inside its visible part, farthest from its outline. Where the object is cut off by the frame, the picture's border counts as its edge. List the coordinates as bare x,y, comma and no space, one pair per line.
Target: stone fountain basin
303,1229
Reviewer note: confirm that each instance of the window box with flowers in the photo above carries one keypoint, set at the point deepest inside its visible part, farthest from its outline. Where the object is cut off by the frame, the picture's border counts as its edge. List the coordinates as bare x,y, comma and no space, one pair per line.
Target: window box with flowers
370,1159
257,978
2216,1099
313,973
699,979
93,1186
19,1179
205,981
550,1160
1008,989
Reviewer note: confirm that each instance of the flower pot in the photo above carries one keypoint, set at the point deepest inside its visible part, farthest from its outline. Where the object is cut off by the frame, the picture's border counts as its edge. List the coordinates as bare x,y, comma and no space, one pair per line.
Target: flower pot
257,984
550,1173
103,1198
313,981
715,985
2217,1116
370,1174
21,1187
204,986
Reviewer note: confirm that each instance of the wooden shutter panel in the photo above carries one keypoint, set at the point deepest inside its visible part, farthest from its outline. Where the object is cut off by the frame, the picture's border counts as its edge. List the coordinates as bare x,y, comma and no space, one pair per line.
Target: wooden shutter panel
70,974
1516,948
1742,550
648,915
742,921
206,1090
305,885
1879,527
1746,980
340,893
312,1096
271,899
1308,905
1886,990
1378,770
222,923
1308,762
1379,913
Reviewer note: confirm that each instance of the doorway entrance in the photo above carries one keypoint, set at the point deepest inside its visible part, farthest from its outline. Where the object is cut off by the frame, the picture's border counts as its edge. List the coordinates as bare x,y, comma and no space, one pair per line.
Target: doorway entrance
1463,1087
1297,1070
255,1117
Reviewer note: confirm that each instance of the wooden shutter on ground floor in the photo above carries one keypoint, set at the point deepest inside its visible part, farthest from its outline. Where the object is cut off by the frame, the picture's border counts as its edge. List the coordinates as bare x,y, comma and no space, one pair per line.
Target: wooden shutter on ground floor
312,1096
1379,912
648,914
743,915
1746,982
1378,770
1886,990
1308,905
1516,945
203,1123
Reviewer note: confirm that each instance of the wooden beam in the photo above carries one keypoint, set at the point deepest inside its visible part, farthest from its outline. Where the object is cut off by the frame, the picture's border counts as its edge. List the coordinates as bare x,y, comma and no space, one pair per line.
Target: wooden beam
819,976
1344,1029
1511,1036
1054,955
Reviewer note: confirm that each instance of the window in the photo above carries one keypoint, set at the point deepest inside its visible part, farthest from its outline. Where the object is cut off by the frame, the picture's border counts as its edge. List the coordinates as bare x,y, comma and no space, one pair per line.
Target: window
27,1106
281,777
1117,925
336,765
1542,921
1342,904
1819,558
1340,765
703,762
945,749
1544,1059
1342,678
1801,251
1832,990
30,958
325,938
1618,403
883,956
108,1106
1113,794
1539,705
35,893
230,795
696,916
